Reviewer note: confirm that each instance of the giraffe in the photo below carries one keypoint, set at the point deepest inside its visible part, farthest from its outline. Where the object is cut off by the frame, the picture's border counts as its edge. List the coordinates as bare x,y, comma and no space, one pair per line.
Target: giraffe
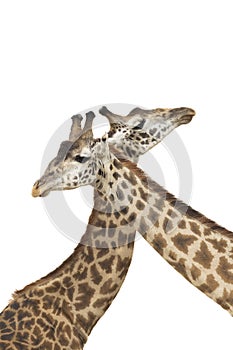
44,314
195,246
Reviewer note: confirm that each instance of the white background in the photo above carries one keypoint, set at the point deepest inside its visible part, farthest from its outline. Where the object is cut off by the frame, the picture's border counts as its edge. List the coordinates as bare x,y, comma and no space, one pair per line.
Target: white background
58,58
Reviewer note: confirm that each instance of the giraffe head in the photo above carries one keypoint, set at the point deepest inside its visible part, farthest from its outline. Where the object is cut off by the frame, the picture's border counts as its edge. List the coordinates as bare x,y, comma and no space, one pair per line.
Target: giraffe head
73,164
79,159
142,129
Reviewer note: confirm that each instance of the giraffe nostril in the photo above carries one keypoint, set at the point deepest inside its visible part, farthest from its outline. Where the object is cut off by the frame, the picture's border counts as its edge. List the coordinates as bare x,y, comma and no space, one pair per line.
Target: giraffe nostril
36,184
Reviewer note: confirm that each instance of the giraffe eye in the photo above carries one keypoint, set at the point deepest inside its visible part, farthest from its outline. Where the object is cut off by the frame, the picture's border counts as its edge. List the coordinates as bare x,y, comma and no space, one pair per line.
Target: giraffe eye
81,159
139,126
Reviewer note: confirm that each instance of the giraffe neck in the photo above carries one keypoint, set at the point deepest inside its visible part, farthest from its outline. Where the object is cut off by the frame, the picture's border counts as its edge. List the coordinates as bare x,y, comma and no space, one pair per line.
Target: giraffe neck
127,192
195,246
72,298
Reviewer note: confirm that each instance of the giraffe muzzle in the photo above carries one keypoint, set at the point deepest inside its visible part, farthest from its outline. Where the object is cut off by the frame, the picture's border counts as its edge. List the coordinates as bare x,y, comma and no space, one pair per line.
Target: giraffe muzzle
40,190
183,115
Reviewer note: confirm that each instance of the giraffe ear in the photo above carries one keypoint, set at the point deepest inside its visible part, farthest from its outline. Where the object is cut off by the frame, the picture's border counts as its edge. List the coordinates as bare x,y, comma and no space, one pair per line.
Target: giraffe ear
63,150
133,118
112,118
76,127
136,111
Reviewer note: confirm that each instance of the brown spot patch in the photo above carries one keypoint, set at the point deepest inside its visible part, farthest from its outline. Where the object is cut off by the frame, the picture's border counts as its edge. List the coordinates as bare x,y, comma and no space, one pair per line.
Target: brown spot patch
211,281
182,224
66,335
70,293
124,210
38,292
220,245
167,225
210,285
87,324
117,214
74,345
36,335
102,252
133,192
108,287
207,232
132,217
143,194
229,298
8,337
195,228
47,345
32,304
123,266
172,255
204,256
117,164
85,294
98,222
101,302
193,213
225,269
159,243
81,274
67,312
122,263
195,272
106,265
180,267
124,185
116,175
140,205
95,275
48,301
89,256
54,288
182,242
171,213
223,301
112,224
131,178
123,222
